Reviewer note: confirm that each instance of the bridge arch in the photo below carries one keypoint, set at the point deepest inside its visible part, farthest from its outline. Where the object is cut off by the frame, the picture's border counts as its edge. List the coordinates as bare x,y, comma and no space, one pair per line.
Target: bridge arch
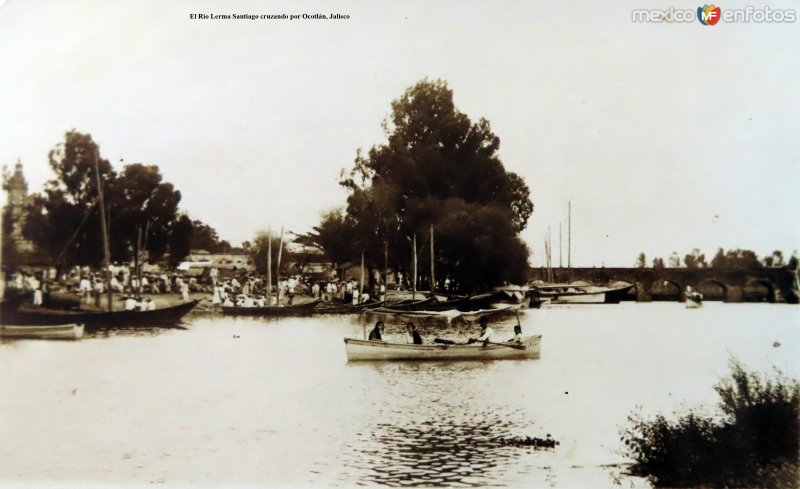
713,289
667,290
759,290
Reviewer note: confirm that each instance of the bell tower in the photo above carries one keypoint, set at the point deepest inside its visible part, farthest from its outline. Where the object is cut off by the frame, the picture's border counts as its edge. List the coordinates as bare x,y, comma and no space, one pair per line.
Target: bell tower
17,188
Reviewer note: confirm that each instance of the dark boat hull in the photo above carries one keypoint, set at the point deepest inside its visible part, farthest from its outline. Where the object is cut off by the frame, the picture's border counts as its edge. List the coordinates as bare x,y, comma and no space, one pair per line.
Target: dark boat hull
168,316
294,310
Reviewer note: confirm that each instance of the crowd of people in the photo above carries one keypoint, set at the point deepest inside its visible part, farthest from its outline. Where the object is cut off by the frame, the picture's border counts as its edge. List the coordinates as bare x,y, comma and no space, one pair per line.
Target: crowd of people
251,291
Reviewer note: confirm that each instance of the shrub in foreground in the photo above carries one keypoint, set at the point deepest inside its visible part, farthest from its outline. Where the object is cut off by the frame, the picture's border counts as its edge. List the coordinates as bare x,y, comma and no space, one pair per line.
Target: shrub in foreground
754,441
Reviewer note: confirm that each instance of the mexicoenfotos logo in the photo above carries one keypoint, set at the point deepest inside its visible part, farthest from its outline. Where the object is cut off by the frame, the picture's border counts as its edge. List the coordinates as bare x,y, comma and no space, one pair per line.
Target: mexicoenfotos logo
711,15
708,14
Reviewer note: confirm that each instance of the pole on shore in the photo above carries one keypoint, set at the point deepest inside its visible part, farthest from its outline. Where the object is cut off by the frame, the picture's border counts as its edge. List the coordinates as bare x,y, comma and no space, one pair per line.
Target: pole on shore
103,223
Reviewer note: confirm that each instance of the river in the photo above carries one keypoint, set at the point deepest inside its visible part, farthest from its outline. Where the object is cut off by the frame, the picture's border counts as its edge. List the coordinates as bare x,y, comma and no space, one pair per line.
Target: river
256,402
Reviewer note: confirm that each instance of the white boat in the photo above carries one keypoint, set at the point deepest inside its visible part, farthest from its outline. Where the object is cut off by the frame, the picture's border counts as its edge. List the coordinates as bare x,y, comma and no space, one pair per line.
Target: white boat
362,350
473,316
580,294
49,332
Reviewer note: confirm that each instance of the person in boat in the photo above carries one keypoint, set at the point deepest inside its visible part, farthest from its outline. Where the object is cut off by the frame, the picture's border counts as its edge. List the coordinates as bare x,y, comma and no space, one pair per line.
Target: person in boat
413,335
131,304
517,335
486,332
375,334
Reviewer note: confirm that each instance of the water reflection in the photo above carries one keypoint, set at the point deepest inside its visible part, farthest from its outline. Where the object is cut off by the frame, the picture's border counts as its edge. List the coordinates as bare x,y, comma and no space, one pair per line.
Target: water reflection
430,425
132,331
455,449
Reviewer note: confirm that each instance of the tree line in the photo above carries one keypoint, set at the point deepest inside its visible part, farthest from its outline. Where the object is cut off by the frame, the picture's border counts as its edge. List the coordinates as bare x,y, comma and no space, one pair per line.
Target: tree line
735,258
143,215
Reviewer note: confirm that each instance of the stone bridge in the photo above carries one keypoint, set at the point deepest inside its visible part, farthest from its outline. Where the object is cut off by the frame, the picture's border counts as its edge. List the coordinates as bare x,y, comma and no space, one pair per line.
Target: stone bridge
729,285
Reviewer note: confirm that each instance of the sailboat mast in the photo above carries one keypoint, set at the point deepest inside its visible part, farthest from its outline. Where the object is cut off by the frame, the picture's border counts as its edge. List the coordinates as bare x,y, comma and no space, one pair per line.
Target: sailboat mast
269,266
361,282
569,235
433,277
414,250
106,251
386,265
278,269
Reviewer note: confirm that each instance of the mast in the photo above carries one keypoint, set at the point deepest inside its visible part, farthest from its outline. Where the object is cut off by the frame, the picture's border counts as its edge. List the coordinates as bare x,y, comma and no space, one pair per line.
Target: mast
106,251
569,235
560,263
269,265
361,286
433,277
278,269
414,249
386,265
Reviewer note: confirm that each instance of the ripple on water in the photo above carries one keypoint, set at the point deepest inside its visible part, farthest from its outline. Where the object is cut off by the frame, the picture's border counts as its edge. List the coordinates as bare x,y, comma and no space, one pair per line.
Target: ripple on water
445,447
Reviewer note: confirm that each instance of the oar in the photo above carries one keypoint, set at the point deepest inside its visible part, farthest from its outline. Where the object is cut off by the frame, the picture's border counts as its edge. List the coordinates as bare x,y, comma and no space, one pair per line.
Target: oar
516,346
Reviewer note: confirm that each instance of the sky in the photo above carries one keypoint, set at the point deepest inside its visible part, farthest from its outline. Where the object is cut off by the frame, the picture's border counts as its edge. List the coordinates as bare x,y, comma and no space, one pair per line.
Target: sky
663,136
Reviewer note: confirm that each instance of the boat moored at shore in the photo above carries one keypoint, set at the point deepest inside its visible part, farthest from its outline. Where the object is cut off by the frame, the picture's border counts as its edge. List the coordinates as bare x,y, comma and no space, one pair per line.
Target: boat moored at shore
46,332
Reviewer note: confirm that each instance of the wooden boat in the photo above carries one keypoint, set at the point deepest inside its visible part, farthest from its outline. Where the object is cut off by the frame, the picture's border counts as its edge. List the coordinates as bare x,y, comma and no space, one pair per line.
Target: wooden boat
580,294
410,315
332,308
473,316
48,332
292,310
32,315
362,350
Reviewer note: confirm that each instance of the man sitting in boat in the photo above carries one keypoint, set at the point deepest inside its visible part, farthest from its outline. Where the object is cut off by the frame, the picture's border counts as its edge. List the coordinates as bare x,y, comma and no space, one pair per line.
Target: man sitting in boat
486,332
375,334
517,335
413,335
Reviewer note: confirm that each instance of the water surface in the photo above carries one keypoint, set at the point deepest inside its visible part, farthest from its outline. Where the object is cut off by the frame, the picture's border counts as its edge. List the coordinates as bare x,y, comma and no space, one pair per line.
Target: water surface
254,402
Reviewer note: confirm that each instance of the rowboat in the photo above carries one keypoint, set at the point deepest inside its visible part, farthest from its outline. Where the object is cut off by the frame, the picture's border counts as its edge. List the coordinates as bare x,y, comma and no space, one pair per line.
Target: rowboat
362,350
32,316
288,310
49,332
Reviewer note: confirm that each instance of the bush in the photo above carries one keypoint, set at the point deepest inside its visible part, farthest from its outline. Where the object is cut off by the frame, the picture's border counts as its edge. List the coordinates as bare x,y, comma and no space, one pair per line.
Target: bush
753,442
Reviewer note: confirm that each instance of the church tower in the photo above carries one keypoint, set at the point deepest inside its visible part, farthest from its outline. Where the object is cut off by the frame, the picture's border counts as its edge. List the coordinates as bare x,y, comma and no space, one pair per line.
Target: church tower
17,188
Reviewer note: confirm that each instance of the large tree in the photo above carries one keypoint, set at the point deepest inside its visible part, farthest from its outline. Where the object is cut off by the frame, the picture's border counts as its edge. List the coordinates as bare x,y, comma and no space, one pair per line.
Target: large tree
438,169
142,210
64,220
